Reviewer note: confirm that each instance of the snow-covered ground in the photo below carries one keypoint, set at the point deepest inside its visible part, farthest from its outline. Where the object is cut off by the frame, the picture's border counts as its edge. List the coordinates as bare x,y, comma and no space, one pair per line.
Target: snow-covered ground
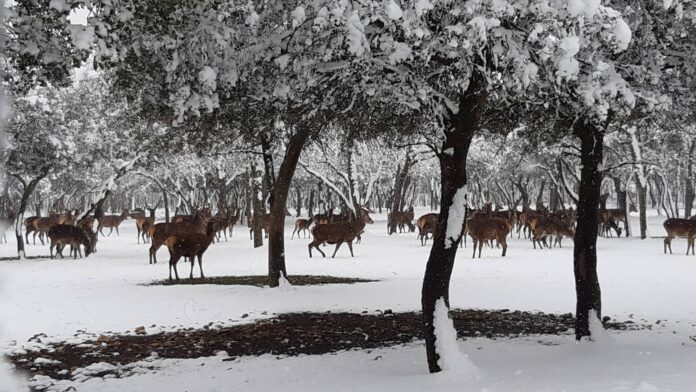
105,293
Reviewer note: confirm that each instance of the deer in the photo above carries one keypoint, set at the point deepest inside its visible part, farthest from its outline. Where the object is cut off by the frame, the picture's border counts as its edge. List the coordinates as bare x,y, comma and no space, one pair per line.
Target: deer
111,222
143,223
191,218
159,232
484,229
427,224
679,228
61,235
400,219
608,219
43,225
301,226
265,221
29,227
552,226
336,233
221,221
190,245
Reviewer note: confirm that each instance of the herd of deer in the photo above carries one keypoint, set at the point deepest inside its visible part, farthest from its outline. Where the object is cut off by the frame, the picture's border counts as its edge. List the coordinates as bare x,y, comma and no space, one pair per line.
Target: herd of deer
486,225
189,236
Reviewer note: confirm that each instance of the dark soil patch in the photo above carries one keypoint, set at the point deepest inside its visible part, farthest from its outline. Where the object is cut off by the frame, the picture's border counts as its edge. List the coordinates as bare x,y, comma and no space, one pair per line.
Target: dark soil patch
262,280
288,334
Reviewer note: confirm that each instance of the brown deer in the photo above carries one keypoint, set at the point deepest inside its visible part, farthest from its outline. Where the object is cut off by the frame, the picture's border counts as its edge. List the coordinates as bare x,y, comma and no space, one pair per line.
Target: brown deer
221,221
87,222
400,219
61,235
301,226
43,225
679,228
551,226
159,232
192,217
190,245
265,221
486,229
608,219
144,223
427,224
336,233
29,227
111,222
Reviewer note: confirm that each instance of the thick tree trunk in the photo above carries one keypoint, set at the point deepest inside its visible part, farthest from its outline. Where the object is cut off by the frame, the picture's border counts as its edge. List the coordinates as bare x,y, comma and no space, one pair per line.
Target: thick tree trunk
585,249
276,233
689,195
642,201
310,206
19,219
462,127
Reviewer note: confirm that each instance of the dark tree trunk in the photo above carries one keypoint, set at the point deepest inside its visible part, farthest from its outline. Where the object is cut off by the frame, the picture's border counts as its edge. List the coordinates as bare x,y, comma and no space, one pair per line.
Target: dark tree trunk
462,127
257,202
310,206
276,233
165,200
689,195
540,195
19,218
585,249
642,201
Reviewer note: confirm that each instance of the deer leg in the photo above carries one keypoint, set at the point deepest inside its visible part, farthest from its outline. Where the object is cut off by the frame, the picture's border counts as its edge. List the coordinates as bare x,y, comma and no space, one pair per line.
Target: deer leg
350,246
200,265
503,242
292,237
480,247
193,263
475,243
51,249
117,233
139,235
338,245
111,230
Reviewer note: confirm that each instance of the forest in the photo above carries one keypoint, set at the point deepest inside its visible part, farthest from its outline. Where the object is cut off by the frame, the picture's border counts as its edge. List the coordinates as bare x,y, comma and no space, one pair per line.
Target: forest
368,147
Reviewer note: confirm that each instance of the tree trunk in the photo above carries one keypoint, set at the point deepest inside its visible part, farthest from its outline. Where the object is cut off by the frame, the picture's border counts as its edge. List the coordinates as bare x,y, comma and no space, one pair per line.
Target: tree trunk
462,127
257,202
276,233
642,196
165,200
19,219
310,206
585,249
621,200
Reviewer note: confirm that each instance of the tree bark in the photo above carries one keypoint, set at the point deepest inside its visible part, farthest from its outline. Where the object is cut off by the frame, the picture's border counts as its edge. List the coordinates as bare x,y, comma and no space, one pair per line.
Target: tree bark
642,201
462,127
281,187
19,219
689,195
257,202
585,249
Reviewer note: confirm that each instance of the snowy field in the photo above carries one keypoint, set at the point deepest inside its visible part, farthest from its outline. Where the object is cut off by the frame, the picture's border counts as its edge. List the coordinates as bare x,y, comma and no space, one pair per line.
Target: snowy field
105,293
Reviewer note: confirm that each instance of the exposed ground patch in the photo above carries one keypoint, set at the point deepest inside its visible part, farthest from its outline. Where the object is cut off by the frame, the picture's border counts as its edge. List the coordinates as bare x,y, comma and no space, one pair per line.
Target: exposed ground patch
261,280
287,334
